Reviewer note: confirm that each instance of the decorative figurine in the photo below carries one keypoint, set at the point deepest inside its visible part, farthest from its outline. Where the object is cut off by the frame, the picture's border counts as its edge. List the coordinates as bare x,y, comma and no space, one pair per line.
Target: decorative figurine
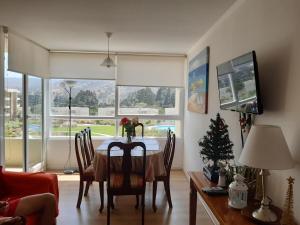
238,192
288,214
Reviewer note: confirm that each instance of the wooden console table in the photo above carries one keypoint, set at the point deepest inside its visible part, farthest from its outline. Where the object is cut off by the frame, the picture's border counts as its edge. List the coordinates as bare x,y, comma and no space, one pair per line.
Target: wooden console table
217,204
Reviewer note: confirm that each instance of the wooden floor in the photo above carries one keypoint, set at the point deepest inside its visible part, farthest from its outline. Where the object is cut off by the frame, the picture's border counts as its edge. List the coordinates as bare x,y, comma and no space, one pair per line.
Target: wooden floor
124,212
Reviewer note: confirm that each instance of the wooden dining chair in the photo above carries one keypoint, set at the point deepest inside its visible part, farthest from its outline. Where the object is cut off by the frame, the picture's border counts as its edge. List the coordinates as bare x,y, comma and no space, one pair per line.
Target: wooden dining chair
126,181
86,170
134,130
136,126
90,153
168,160
167,146
89,142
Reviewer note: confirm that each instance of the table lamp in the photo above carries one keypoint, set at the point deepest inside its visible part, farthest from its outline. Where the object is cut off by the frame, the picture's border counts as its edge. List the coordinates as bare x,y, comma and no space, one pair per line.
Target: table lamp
266,149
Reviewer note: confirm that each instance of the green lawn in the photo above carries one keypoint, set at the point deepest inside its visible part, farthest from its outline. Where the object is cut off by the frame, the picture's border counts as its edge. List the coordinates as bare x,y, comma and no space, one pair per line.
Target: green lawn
102,130
97,130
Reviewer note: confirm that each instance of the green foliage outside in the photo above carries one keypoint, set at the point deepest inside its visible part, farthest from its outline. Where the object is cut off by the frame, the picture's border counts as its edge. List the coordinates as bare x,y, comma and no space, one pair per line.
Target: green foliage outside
35,103
86,99
13,128
60,101
164,98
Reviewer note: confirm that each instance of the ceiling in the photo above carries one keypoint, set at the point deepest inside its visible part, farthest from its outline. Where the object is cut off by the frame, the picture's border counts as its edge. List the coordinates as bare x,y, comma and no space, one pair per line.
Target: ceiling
153,26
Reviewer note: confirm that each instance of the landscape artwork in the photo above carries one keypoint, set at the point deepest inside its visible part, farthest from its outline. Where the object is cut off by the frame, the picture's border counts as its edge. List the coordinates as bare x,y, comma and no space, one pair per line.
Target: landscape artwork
198,82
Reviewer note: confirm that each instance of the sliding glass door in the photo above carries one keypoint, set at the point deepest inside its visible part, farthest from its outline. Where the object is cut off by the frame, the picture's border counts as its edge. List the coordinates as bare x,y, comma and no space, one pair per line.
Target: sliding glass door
34,123
23,122
14,121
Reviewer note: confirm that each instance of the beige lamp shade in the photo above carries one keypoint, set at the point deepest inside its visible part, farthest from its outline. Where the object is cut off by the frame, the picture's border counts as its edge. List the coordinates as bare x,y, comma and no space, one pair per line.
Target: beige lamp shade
266,148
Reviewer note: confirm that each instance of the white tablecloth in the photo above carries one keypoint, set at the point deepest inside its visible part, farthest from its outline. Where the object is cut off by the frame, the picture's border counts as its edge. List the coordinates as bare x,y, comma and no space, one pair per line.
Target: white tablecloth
154,158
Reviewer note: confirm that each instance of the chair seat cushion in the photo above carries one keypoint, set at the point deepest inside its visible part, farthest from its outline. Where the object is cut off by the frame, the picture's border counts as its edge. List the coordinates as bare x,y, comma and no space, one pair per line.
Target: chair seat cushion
116,180
89,171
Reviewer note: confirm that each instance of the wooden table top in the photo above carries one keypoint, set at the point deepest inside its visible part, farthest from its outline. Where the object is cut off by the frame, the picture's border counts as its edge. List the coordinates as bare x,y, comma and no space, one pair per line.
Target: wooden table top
218,204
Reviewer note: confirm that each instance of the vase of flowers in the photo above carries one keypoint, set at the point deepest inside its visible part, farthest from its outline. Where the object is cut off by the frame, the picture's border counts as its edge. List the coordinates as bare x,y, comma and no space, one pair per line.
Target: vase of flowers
128,126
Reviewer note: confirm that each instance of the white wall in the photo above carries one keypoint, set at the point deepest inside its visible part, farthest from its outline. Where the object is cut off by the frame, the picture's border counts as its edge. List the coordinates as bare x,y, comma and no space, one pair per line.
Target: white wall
2,43
271,28
57,152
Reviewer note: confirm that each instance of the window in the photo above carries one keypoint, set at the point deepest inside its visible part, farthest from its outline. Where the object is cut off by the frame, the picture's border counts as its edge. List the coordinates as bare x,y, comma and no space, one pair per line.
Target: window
93,105
14,120
90,98
34,121
158,108
148,100
13,105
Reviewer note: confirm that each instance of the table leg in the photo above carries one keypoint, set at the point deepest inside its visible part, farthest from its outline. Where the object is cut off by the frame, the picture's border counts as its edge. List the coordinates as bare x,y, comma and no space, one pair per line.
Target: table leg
193,203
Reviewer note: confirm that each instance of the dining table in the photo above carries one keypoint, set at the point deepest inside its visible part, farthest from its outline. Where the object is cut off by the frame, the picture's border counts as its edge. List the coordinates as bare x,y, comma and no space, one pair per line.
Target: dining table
154,158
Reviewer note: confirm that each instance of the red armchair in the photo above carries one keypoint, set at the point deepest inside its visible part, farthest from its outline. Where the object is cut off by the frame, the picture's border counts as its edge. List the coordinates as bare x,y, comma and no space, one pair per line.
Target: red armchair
17,185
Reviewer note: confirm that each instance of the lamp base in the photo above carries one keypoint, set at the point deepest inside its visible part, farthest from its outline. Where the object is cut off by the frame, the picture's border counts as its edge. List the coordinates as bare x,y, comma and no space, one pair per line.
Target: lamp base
264,213
69,171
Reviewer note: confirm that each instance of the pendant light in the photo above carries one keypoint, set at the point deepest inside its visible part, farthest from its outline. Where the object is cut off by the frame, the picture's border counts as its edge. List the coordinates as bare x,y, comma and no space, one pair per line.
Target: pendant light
108,62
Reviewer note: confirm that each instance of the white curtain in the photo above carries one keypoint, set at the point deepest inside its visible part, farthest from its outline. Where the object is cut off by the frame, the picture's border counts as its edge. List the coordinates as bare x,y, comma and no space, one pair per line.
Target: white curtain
26,57
79,65
150,70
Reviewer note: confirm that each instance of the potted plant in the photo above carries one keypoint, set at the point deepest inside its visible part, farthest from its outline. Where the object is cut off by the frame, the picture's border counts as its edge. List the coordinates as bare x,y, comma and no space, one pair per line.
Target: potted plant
215,146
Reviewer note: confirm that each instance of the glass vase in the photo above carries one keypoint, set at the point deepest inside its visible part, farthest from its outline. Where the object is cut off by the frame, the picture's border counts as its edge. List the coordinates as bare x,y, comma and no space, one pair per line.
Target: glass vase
129,140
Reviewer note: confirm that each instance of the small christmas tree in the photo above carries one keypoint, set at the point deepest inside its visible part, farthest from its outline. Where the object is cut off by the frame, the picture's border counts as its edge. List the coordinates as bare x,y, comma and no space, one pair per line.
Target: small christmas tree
216,145
288,215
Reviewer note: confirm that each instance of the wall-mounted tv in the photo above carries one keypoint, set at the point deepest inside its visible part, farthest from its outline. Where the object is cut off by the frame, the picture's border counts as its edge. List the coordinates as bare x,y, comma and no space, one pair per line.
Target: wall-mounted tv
239,85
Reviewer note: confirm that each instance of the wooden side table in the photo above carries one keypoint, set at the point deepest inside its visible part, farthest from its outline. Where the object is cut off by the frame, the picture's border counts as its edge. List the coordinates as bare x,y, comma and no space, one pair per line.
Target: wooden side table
217,204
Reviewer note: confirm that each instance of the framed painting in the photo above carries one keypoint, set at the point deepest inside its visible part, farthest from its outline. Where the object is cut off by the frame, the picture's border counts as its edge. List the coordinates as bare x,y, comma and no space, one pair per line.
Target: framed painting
198,82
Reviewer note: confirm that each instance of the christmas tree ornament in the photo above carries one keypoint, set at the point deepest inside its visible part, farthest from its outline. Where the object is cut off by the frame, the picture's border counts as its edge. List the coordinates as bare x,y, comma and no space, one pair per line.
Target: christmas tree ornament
215,146
288,214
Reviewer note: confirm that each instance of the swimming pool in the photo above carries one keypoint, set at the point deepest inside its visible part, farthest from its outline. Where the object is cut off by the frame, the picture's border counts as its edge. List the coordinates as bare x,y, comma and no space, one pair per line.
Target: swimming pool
163,127
34,128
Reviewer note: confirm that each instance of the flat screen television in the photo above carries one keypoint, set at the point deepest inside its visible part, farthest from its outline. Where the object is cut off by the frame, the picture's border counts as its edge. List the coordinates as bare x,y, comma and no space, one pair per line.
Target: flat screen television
239,85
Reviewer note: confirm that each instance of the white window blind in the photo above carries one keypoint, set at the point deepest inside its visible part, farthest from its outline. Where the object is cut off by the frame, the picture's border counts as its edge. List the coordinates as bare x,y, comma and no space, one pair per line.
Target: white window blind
150,71
27,57
79,65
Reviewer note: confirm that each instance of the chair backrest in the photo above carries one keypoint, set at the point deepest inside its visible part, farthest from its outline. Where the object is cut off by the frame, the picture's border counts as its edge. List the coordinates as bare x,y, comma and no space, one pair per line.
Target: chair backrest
89,141
167,146
134,130
137,125
80,153
170,155
126,163
88,153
